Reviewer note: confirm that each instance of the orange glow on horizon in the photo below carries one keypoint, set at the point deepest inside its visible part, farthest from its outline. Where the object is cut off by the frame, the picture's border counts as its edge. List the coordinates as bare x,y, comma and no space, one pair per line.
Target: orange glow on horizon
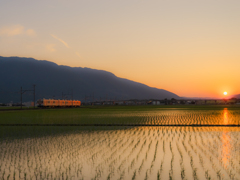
135,40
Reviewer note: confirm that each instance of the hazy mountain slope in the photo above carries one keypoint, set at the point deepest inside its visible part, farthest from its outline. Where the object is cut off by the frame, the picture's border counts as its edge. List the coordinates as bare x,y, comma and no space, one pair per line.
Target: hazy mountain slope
235,96
51,80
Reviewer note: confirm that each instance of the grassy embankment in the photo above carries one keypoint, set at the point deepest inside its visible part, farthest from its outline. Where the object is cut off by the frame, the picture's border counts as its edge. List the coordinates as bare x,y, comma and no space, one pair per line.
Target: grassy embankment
106,114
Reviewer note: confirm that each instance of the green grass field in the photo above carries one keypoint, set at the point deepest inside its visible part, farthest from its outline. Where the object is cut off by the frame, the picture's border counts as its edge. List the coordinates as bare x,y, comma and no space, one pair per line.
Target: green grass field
124,115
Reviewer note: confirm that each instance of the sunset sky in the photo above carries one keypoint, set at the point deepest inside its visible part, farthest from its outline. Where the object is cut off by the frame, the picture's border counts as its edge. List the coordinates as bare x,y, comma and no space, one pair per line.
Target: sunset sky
188,47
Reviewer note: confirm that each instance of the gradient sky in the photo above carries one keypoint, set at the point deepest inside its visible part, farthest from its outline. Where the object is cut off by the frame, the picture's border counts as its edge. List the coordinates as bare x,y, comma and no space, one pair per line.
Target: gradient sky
189,47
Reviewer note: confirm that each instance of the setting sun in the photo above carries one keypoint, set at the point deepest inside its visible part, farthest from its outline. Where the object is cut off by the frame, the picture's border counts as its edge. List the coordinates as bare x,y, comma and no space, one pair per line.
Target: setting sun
225,93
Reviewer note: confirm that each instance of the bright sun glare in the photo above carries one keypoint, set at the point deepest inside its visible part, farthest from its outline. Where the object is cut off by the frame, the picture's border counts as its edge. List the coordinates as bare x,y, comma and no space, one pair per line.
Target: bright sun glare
225,93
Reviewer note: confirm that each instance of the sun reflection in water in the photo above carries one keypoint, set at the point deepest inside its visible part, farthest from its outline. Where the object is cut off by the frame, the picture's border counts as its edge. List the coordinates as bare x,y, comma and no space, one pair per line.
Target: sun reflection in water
226,146
225,114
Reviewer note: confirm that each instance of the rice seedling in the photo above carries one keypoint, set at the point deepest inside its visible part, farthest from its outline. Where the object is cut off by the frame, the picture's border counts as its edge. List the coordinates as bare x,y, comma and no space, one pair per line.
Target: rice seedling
125,153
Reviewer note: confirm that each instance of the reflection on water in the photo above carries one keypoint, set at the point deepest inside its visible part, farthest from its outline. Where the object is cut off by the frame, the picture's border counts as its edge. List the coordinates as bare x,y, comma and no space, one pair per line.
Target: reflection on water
226,149
226,146
225,116
125,153
169,117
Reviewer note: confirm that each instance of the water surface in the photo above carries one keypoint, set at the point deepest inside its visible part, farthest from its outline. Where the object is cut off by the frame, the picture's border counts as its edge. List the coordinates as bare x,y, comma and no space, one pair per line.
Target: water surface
123,152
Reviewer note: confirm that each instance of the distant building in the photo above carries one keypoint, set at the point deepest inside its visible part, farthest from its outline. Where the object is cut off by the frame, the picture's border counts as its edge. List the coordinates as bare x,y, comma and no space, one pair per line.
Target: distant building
28,104
156,103
232,101
220,101
9,104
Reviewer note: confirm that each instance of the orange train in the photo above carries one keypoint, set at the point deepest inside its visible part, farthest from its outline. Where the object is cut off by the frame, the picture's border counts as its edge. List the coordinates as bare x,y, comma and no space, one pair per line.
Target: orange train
58,103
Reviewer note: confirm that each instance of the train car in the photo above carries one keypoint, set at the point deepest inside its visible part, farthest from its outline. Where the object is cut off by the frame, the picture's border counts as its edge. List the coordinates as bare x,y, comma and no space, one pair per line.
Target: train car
61,102
58,103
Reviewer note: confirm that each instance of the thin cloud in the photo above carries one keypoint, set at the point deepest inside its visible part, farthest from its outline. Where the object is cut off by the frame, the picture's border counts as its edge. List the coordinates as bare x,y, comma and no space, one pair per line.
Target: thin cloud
78,54
30,32
16,30
51,47
60,40
11,30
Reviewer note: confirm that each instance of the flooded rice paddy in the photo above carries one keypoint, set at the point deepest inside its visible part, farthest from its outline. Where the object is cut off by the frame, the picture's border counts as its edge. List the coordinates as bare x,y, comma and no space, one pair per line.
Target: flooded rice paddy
170,117
123,152
125,116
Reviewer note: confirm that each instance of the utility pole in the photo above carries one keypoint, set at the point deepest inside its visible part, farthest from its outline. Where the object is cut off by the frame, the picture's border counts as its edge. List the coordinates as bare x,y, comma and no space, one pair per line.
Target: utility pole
23,91
21,96
34,95
72,97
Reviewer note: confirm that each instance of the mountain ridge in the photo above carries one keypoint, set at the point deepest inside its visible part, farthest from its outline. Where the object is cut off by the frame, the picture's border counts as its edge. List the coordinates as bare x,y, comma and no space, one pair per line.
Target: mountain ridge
53,80
234,96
